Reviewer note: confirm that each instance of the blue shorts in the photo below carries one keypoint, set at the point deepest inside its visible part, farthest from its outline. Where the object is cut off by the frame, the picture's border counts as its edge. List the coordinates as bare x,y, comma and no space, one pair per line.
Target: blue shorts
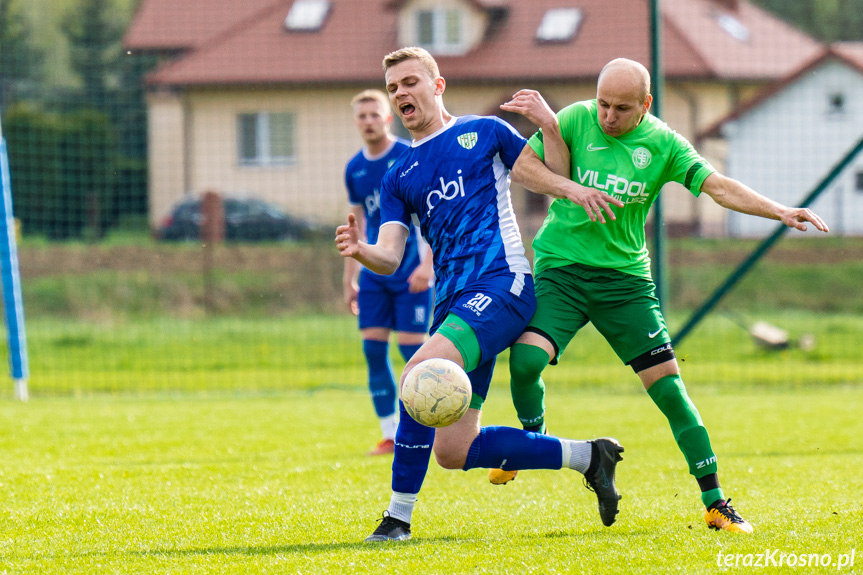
387,302
498,308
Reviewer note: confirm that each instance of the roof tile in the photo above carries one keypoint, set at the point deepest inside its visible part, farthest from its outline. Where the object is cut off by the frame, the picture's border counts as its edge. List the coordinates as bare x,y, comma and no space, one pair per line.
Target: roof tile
250,45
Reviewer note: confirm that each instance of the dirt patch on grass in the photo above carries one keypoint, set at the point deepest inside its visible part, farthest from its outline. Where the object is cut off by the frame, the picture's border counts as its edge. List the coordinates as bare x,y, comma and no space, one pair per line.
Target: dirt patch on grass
798,251
319,262
84,259
78,280
175,278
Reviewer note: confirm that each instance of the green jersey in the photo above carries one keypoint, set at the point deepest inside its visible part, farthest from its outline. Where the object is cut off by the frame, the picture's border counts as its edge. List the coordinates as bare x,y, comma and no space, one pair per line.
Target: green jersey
632,168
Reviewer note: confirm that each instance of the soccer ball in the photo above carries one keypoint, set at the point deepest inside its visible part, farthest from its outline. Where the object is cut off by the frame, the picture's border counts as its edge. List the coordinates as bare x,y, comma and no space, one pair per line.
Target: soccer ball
436,392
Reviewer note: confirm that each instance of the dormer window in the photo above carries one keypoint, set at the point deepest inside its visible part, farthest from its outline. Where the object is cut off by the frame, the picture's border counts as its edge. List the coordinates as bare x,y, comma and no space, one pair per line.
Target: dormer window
439,30
307,15
559,25
733,27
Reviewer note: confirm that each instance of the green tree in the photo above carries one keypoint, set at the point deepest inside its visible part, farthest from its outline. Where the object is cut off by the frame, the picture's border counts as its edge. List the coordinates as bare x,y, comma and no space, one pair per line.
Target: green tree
21,62
65,170
827,20
94,47
131,121
112,83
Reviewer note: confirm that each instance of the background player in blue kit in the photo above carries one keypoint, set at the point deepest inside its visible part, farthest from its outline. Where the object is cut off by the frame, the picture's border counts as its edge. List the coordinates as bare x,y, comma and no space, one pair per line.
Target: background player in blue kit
400,302
455,180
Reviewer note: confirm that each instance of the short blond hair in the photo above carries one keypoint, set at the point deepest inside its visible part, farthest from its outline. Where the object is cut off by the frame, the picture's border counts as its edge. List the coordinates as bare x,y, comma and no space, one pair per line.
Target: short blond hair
412,53
371,96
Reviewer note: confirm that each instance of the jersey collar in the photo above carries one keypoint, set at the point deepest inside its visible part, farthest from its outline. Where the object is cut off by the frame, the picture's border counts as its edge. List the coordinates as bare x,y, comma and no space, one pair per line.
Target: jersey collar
372,158
639,129
447,126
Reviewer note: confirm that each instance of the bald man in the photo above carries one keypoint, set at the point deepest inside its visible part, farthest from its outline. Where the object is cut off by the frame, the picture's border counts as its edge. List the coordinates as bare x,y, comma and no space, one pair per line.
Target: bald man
591,261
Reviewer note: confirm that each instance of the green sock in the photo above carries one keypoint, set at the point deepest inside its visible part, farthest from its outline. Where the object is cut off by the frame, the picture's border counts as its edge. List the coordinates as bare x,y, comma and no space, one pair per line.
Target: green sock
526,363
711,496
710,490
670,397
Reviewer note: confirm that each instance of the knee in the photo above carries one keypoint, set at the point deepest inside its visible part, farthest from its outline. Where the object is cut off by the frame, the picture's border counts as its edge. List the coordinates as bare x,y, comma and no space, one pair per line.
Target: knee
451,452
526,363
375,351
450,458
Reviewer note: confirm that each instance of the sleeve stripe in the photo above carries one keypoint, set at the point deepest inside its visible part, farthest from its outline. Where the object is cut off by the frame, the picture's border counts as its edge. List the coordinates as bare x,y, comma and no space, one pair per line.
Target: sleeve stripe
690,174
394,222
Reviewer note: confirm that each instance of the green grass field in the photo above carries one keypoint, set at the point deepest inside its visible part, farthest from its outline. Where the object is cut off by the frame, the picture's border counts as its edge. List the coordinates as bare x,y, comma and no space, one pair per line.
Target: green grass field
165,438
279,484
253,355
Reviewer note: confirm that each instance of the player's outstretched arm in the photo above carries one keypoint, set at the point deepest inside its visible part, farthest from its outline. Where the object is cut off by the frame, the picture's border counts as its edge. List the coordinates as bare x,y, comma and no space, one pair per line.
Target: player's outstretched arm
383,257
734,195
531,105
533,174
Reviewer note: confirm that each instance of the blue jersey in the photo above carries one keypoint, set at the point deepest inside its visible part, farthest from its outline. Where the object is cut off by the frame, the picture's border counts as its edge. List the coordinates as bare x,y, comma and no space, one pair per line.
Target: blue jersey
456,182
363,176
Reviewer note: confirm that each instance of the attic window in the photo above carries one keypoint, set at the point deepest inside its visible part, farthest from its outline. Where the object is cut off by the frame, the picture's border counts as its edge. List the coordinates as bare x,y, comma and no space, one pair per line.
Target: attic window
836,104
439,30
307,15
734,27
559,25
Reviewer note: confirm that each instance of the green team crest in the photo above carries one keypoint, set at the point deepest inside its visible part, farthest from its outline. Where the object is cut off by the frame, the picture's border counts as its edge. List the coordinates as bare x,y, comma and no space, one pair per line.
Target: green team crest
641,157
468,140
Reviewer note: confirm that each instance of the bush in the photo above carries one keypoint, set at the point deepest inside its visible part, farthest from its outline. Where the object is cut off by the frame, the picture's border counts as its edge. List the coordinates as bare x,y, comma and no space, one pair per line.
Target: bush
63,171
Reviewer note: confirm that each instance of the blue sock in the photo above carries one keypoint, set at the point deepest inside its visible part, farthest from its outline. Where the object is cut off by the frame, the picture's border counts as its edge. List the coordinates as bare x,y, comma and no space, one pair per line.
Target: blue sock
408,351
510,448
382,384
413,452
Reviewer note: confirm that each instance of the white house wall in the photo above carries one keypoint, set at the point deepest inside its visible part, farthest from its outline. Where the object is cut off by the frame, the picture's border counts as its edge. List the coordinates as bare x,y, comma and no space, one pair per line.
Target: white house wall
787,144
312,186
193,144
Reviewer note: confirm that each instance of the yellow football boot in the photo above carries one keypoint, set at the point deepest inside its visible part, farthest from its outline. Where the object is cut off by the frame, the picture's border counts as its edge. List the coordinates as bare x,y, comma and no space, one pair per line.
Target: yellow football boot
501,476
721,515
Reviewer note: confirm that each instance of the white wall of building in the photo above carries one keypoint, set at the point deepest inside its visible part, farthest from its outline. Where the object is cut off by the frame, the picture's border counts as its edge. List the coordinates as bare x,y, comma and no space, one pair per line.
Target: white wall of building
787,144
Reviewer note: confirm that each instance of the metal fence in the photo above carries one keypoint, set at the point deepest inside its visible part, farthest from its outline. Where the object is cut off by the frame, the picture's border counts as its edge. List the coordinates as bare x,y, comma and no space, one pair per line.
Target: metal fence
110,154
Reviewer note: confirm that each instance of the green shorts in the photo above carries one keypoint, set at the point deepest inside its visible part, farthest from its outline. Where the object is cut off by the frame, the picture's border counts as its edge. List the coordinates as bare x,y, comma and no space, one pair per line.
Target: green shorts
622,307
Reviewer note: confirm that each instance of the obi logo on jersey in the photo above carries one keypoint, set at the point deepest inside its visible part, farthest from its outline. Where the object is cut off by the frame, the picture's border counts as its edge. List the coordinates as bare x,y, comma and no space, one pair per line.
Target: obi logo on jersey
448,191
373,202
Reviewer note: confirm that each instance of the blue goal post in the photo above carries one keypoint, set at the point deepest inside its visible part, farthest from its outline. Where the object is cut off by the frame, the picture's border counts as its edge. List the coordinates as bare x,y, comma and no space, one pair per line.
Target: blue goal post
13,306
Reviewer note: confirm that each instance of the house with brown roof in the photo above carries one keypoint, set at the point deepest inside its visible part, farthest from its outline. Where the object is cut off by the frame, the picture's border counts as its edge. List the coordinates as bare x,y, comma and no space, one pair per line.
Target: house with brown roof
253,97
789,137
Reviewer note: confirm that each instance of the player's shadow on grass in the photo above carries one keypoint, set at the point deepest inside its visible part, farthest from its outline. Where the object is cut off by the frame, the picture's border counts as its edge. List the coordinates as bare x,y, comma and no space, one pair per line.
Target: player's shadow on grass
288,549
315,548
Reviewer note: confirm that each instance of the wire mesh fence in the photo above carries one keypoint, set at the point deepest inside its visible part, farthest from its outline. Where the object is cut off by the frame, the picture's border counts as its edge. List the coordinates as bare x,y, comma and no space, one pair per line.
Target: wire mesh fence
111,153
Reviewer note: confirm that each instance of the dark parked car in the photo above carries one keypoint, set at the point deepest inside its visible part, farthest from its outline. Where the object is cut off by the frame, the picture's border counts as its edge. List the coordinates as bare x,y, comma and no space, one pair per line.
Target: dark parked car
245,220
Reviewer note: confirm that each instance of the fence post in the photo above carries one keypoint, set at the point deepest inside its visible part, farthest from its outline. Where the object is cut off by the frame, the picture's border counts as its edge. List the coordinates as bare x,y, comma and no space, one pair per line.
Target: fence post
212,233
659,252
